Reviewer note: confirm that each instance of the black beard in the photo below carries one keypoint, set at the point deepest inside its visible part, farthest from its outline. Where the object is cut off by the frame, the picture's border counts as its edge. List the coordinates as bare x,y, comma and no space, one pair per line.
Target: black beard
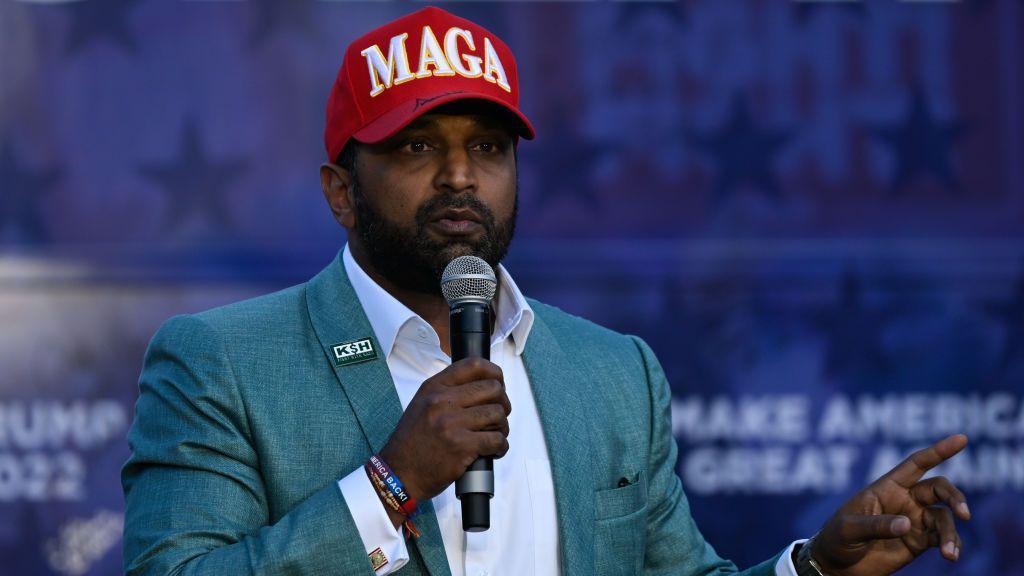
412,259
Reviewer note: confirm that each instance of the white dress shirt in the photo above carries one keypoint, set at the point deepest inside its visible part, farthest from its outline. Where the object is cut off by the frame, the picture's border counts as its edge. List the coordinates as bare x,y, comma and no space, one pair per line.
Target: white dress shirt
523,537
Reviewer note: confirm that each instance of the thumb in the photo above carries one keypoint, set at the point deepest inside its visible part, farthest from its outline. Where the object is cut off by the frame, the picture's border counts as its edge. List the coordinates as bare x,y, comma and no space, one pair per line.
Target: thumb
856,528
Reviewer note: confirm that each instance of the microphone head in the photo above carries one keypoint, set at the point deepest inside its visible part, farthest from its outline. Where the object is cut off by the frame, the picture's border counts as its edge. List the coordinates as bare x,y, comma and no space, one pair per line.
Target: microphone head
468,279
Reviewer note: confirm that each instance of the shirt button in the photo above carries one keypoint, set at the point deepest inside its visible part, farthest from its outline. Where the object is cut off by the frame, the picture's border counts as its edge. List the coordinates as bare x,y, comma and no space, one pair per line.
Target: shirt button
422,333
482,573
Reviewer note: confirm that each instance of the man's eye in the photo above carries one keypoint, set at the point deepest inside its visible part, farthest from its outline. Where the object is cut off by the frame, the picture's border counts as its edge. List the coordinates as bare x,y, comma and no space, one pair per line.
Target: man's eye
417,146
487,147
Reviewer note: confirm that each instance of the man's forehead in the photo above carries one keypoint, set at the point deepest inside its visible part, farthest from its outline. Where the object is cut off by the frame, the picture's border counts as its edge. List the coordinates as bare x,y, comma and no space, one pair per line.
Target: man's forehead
437,119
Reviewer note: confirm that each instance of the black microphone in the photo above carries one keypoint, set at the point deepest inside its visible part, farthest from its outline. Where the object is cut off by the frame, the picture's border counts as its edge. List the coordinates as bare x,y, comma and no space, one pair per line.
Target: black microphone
468,284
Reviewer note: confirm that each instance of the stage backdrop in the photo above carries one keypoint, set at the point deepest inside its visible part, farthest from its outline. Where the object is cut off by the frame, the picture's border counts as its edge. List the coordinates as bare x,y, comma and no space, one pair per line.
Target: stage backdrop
812,211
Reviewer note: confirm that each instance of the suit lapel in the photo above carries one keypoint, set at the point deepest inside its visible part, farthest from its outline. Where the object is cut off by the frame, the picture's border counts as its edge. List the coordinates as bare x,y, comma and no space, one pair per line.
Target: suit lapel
554,384
337,316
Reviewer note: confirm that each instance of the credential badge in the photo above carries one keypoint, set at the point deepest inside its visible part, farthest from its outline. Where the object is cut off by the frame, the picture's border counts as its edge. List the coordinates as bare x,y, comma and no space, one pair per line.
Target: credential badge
353,352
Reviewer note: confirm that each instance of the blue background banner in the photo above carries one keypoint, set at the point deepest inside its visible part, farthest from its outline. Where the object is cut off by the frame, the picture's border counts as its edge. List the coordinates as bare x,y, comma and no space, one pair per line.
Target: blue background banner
811,210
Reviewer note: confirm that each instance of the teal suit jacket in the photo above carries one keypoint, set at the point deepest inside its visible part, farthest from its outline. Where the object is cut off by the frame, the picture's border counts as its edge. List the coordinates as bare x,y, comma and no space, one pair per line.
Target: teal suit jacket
244,424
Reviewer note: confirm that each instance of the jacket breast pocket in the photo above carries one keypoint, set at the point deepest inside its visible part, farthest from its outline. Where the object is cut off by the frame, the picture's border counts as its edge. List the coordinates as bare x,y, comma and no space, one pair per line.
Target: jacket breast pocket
621,500
620,529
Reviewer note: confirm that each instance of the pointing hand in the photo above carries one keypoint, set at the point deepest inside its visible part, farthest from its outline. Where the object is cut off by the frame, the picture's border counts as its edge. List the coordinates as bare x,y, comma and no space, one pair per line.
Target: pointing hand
895,519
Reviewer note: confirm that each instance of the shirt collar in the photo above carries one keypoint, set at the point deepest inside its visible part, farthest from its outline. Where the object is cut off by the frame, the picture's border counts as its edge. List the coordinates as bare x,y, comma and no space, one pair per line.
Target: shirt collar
388,316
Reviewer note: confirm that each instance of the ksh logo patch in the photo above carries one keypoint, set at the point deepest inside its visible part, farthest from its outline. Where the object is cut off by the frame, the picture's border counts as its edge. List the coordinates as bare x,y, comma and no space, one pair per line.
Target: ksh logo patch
355,351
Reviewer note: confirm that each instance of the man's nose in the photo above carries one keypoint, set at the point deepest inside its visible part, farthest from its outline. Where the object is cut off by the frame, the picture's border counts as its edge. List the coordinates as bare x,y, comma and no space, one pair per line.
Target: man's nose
457,173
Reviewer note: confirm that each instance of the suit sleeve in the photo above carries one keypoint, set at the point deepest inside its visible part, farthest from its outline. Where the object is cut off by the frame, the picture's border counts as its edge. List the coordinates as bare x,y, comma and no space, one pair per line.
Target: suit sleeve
194,498
674,543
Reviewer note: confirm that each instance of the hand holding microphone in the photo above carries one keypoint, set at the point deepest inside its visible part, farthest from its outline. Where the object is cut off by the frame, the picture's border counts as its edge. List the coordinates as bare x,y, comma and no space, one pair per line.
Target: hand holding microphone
468,284
458,420
456,415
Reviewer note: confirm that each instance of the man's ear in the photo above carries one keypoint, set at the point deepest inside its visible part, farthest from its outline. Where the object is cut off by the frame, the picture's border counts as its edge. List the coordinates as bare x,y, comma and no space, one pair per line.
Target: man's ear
337,186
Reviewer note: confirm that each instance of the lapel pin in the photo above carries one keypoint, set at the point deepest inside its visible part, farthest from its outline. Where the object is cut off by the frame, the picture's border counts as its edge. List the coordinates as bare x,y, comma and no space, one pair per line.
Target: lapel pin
354,352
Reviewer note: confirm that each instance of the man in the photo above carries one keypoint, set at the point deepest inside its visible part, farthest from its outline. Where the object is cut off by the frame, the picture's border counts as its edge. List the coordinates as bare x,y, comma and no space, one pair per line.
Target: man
319,430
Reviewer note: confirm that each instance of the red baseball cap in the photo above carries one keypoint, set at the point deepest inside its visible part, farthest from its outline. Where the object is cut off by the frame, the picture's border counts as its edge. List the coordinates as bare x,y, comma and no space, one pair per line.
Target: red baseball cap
414,64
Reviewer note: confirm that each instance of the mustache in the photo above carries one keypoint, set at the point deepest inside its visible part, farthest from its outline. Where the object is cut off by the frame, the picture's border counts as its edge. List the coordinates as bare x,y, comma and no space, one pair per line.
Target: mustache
437,204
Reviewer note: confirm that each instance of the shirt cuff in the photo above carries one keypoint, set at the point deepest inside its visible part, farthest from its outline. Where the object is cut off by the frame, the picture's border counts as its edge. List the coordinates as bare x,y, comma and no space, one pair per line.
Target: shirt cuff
785,567
379,535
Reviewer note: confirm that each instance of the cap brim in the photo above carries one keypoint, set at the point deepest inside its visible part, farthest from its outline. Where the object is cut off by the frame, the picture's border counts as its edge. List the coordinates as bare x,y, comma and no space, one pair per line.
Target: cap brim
392,121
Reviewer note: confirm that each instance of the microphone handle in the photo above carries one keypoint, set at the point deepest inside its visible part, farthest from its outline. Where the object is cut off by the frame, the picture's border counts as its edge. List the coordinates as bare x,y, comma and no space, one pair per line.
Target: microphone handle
470,337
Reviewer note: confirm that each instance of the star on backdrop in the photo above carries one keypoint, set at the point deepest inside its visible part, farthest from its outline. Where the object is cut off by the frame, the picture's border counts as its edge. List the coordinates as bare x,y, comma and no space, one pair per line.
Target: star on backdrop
274,17
194,185
692,339
1010,313
743,153
107,20
767,325
22,221
922,145
853,332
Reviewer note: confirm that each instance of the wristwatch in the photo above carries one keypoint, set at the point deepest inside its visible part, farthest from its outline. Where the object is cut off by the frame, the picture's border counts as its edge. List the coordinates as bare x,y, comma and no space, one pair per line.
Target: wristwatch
805,564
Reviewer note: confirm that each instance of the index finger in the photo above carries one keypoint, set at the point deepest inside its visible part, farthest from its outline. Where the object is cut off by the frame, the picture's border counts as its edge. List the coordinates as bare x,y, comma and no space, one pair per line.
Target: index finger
908,472
470,369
